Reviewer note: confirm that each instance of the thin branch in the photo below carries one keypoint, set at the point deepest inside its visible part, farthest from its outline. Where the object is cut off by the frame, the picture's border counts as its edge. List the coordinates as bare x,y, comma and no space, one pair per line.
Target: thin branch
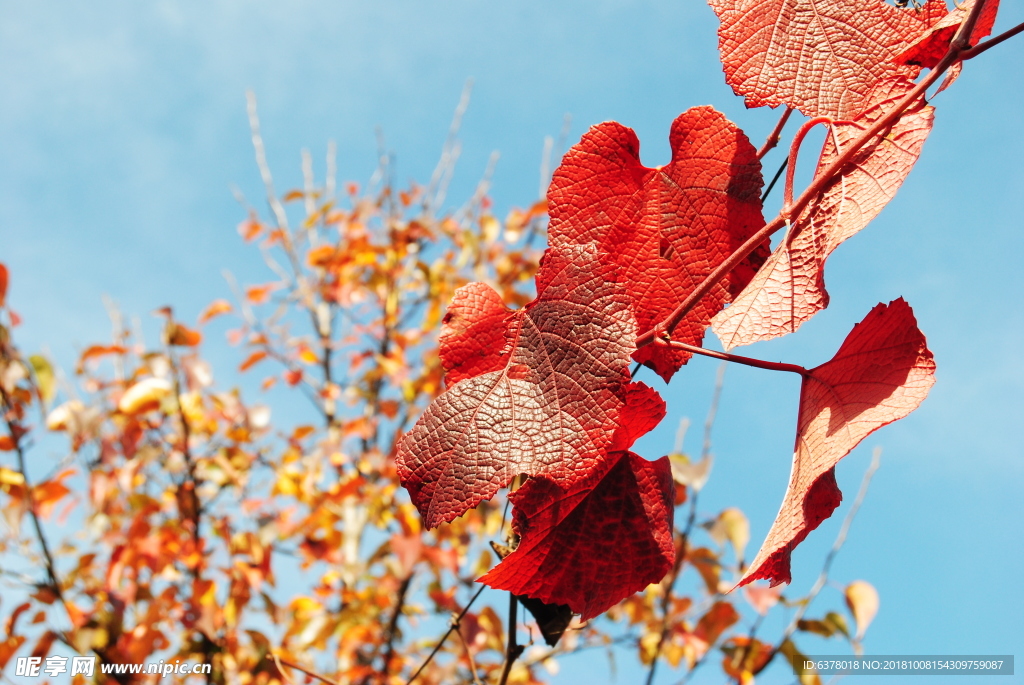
440,643
469,656
775,135
794,152
279,662
392,630
775,179
512,649
991,42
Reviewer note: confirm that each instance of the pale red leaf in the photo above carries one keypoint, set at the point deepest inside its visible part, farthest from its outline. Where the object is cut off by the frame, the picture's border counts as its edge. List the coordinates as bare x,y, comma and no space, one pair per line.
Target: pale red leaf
551,410
882,372
4,278
790,288
934,44
473,333
665,228
821,57
594,546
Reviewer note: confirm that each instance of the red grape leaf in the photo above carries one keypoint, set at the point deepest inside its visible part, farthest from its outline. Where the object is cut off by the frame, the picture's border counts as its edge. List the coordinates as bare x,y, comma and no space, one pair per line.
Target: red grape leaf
666,228
592,546
934,44
473,333
821,57
882,372
790,287
554,407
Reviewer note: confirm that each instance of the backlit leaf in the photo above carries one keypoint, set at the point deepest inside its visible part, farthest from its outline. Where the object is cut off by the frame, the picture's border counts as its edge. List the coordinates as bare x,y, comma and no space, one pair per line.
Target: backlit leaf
934,44
551,410
822,57
665,228
882,372
790,288
862,599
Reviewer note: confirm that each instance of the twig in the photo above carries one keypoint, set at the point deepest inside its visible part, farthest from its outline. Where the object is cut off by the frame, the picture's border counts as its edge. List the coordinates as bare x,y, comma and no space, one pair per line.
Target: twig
684,537
775,179
291,664
512,649
773,137
440,643
469,656
392,630
991,42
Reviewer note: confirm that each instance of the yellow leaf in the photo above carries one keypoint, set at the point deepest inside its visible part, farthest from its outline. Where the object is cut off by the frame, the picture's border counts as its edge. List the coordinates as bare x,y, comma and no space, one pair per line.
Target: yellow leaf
862,598
216,308
733,526
10,477
145,395
46,381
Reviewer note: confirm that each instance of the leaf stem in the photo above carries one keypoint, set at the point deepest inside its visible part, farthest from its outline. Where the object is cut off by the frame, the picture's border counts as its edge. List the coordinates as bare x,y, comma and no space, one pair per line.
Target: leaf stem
748,361
794,152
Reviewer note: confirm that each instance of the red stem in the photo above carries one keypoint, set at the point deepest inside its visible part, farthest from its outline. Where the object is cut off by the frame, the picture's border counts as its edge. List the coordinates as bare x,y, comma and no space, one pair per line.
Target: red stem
794,151
748,361
817,185
991,42
775,135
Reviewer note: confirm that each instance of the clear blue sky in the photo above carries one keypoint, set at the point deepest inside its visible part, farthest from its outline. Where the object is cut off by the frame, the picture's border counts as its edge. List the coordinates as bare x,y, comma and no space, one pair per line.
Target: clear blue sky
122,129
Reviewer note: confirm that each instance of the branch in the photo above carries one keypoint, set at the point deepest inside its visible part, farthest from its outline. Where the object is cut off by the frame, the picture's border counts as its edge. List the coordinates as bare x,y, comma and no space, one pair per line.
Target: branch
440,643
773,137
794,151
512,650
392,630
991,42
279,662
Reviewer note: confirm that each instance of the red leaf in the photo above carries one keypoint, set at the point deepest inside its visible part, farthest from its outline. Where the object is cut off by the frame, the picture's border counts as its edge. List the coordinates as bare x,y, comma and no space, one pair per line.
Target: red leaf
551,410
473,333
665,228
592,547
4,278
790,288
934,44
882,372
821,57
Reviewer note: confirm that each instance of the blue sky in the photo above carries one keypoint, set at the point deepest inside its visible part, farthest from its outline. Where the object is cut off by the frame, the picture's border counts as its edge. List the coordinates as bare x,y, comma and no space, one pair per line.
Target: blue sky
123,130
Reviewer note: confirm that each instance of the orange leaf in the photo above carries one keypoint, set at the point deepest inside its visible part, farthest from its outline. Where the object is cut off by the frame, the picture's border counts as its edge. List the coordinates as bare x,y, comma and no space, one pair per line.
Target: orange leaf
258,294
320,256
250,229
293,377
183,336
94,351
6,444
216,308
252,360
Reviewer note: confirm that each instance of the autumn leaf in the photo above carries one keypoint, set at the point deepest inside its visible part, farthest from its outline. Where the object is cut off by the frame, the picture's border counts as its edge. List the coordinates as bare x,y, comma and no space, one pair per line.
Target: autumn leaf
881,373
928,50
862,600
4,279
473,333
215,308
665,228
593,546
552,410
822,57
790,288
252,360
182,336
